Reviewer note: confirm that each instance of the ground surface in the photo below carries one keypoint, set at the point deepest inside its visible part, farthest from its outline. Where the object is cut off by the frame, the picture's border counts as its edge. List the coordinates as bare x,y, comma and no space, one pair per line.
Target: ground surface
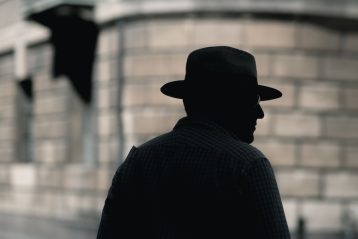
16,227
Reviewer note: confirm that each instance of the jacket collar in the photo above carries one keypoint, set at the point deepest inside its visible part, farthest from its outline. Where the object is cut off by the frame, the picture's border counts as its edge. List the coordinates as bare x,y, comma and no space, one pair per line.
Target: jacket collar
199,122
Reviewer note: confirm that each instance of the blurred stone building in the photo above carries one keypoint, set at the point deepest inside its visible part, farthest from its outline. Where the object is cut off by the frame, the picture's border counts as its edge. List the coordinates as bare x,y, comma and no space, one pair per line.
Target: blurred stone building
66,122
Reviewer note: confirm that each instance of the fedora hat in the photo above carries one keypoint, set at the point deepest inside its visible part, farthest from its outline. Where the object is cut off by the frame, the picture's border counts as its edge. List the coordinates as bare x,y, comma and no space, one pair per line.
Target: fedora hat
219,70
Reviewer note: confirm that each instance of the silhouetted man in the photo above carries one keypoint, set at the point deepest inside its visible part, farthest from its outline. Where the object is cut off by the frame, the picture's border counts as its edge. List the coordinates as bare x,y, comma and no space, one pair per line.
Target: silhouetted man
203,179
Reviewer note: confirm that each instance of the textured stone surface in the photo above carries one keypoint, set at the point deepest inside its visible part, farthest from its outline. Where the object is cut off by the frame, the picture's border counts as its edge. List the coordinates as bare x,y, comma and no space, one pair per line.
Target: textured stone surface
321,154
136,35
341,185
147,95
316,37
351,153
351,42
295,66
168,34
79,177
341,127
279,153
298,183
340,68
150,122
51,105
50,128
217,32
350,98
322,216
107,124
7,132
155,65
266,34
108,41
23,175
319,97
108,151
288,99
290,208
297,125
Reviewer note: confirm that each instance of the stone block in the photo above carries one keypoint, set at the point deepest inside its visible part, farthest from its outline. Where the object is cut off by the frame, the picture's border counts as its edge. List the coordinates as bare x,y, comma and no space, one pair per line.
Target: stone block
319,97
108,41
322,216
49,177
296,66
217,32
46,204
105,177
108,151
263,127
351,156
104,72
279,153
168,34
314,37
263,64
7,65
7,132
50,105
320,154
290,208
4,175
107,97
270,34
341,127
297,125
7,110
350,43
50,128
45,82
149,122
288,98
22,175
341,185
7,88
77,177
22,201
298,183
136,35
107,124
350,98
340,68
7,155
51,152
353,212
155,65
147,95
72,203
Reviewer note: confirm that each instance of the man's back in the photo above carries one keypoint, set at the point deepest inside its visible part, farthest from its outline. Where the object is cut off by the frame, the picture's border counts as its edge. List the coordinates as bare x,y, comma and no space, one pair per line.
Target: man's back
196,181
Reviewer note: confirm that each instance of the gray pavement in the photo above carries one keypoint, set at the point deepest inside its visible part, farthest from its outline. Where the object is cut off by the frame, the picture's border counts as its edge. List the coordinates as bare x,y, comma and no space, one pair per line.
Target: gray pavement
20,227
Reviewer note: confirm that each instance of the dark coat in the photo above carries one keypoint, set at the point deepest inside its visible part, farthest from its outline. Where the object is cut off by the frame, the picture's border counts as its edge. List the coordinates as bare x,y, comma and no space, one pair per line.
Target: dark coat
197,181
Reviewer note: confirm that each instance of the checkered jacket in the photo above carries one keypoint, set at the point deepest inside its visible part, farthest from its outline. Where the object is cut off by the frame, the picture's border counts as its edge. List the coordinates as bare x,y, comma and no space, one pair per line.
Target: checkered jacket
197,181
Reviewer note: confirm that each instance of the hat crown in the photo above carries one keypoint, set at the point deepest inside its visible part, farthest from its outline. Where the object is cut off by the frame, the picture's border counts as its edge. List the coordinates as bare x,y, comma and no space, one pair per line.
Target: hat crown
219,71
221,63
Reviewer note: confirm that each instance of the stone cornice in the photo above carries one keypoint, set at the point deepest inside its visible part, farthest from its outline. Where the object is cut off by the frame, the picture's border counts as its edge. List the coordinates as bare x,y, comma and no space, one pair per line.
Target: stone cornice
110,10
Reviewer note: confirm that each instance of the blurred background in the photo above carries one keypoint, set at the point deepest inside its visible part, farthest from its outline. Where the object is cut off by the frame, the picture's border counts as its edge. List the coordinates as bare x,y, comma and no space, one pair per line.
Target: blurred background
79,85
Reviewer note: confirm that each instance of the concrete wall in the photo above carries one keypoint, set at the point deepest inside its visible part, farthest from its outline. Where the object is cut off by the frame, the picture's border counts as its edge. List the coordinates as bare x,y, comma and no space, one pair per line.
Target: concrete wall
310,135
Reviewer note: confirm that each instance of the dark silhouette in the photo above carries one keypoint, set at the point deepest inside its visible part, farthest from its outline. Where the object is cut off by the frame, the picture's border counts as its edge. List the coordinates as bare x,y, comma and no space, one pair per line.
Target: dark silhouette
202,179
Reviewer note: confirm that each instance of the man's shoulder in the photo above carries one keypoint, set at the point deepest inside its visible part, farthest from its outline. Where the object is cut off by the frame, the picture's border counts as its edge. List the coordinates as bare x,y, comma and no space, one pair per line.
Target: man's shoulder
204,141
242,149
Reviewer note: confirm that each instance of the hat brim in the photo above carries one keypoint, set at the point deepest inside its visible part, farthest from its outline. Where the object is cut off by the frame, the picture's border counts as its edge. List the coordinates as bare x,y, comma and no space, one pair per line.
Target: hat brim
177,90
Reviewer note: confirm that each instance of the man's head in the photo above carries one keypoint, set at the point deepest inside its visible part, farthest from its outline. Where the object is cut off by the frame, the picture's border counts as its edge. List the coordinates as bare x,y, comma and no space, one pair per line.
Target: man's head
221,84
